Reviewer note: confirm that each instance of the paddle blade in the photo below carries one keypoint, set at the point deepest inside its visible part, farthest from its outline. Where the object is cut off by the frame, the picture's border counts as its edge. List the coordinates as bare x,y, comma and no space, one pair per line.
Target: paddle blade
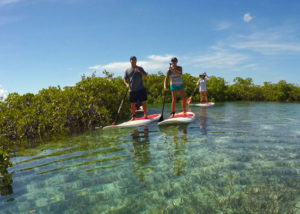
188,100
161,118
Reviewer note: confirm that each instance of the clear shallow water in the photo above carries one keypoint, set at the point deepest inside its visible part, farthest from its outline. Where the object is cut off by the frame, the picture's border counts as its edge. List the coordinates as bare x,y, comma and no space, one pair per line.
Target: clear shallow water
234,158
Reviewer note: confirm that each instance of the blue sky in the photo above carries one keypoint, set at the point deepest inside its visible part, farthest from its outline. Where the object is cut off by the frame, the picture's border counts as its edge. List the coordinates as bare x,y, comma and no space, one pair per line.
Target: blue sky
53,42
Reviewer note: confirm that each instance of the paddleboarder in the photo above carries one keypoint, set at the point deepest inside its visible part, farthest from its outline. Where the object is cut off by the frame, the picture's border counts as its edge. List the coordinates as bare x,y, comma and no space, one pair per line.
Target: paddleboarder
176,84
133,79
202,88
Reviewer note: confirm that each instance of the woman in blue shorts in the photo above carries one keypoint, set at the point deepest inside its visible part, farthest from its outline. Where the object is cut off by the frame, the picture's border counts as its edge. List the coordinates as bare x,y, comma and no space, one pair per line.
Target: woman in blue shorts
176,84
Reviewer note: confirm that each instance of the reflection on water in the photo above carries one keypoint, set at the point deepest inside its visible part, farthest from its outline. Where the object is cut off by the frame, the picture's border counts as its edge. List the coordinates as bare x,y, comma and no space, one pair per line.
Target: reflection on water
175,139
234,158
203,120
142,155
6,184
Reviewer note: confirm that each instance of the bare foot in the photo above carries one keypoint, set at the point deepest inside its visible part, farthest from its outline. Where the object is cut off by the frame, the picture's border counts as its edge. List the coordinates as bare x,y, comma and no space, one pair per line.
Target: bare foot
172,115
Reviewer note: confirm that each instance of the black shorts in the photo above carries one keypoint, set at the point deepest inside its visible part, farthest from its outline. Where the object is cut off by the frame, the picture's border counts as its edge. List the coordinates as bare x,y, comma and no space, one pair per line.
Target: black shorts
140,95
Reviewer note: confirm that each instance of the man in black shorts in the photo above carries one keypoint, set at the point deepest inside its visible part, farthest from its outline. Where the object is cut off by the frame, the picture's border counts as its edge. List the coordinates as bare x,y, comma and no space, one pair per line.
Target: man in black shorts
133,79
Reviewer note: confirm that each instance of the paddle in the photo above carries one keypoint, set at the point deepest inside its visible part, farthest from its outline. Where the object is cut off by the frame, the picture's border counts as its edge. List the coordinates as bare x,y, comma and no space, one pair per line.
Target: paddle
162,111
190,98
120,107
121,104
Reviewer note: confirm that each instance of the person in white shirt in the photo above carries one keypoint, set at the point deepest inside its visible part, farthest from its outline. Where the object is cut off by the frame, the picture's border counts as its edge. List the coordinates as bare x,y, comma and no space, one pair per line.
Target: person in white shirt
202,89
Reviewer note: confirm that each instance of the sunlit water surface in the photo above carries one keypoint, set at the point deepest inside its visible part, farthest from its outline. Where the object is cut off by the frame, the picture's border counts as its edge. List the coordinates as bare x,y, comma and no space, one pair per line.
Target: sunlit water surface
234,158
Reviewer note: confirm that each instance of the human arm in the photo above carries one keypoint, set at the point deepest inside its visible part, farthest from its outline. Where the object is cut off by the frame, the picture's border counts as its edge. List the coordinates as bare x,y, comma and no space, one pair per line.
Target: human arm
206,76
141,71
126,83
126,79
166,80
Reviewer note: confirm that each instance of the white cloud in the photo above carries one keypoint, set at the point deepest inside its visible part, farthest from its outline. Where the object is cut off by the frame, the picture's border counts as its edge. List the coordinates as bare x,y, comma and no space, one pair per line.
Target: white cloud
247,17
3,92
7,2
267,43
222,26
153,63
164,58
267,47
235,53
115,66
219,60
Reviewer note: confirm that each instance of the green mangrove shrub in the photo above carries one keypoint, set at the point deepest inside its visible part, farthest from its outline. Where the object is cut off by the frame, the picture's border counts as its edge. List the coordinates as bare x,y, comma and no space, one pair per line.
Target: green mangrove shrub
5,176
55,111
94,102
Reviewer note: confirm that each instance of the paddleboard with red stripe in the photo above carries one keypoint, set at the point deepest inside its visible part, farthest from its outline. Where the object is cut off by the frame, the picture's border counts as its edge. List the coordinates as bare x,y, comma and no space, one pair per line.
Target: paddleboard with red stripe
179,119
203,104
142,121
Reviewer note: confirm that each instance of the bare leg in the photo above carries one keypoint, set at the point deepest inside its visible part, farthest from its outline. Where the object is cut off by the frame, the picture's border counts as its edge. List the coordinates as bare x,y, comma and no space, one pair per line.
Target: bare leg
144,104
173,101
182,94
201,96
133,109
205,96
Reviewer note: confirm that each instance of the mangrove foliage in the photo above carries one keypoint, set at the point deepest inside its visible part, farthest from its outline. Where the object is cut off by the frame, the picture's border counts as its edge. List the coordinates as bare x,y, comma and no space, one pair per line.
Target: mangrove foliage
94,102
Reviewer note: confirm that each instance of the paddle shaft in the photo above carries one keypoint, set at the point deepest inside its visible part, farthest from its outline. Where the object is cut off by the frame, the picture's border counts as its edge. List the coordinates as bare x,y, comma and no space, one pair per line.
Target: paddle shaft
190,98
195,90
162,111
121,104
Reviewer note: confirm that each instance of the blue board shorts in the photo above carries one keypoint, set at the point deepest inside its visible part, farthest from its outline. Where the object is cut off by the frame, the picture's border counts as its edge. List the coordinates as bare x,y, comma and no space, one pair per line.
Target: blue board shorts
140,95
176,87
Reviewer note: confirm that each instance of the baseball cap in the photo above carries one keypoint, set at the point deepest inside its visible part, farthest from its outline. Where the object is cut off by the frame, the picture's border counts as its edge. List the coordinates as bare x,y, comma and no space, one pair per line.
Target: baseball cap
174,59
133,57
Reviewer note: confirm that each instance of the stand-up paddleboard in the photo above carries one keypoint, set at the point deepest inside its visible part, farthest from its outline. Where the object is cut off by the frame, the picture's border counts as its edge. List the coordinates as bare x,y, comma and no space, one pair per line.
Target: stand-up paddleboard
203,104
142,121
179,119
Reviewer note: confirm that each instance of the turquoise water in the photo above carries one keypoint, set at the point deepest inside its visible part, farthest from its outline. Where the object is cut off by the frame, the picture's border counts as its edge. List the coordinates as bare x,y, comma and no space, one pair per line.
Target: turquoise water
234,158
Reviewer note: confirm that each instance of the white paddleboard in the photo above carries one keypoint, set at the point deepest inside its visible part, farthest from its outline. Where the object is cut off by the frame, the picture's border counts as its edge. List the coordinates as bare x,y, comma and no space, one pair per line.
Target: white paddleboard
203,104
142,121
179,119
